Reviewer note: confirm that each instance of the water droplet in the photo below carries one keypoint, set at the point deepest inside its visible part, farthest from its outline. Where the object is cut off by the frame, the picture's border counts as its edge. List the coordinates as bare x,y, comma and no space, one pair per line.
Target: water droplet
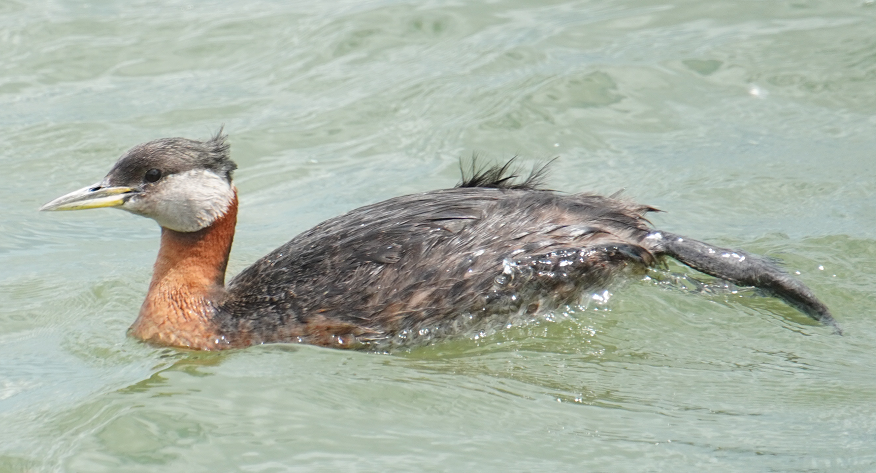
757,92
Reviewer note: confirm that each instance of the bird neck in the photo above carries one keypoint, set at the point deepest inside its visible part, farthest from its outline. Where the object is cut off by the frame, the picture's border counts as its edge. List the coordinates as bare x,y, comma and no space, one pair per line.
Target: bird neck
187,281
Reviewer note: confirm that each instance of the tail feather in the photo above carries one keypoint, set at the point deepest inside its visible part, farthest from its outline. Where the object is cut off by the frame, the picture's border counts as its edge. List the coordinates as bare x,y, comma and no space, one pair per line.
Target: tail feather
743,269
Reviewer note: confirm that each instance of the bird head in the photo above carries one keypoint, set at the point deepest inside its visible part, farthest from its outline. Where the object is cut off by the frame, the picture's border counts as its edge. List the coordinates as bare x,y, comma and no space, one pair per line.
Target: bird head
182,184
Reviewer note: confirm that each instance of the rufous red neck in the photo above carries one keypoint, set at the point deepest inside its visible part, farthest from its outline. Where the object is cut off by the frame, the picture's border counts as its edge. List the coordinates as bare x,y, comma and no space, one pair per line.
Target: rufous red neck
188,278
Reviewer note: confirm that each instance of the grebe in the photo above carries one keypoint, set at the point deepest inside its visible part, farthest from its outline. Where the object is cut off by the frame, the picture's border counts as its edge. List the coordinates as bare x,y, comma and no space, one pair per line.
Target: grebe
389,272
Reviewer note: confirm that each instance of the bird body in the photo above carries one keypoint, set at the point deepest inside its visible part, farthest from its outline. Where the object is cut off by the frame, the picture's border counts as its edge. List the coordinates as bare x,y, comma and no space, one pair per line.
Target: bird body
411,268
416,264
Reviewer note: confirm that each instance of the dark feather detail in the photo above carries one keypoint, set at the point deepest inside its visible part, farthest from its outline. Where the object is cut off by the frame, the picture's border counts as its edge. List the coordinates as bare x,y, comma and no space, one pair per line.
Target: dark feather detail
502,176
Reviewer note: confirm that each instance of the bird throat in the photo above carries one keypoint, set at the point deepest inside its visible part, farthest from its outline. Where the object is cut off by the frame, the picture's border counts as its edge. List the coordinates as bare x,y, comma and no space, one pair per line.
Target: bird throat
187,281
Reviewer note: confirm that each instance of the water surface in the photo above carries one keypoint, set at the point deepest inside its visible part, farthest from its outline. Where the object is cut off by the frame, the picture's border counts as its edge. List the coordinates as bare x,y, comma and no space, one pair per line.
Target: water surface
750,123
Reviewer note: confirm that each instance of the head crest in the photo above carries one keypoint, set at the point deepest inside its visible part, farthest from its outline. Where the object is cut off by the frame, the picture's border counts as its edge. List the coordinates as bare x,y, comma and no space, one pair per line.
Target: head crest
217,154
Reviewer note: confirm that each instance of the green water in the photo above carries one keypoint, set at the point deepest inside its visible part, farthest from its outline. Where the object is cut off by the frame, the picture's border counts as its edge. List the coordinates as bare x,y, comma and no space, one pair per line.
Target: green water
751,123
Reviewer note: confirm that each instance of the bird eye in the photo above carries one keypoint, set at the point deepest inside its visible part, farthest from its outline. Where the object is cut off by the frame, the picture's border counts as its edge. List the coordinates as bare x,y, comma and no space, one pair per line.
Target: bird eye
152,175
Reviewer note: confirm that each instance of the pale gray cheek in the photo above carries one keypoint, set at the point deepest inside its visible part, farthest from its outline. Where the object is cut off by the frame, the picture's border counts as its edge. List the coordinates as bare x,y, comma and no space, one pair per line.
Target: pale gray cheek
138,206
181,223
184,204
174,214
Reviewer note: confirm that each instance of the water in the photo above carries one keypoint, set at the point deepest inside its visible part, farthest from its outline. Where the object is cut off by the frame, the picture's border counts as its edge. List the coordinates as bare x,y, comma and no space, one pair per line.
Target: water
751,123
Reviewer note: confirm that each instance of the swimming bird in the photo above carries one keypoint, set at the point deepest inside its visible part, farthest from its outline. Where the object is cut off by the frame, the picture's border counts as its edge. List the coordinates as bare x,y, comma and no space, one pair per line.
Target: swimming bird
414,267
